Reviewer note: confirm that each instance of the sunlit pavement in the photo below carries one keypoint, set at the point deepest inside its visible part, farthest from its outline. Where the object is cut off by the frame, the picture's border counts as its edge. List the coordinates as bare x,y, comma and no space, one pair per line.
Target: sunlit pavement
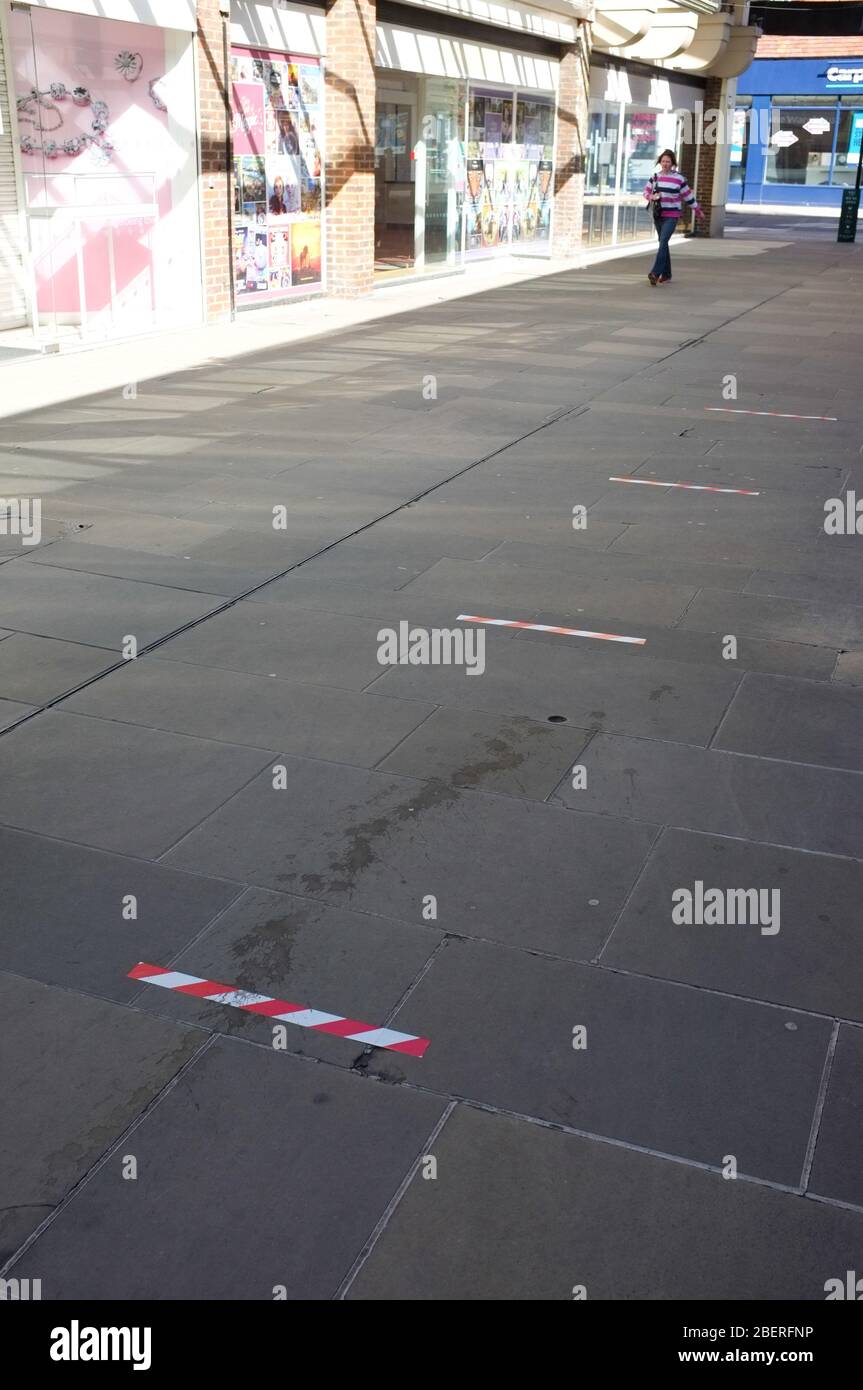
207,766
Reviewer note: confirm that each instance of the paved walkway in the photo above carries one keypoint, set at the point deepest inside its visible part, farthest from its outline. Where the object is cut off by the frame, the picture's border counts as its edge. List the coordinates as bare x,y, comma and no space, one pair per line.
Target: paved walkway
489,860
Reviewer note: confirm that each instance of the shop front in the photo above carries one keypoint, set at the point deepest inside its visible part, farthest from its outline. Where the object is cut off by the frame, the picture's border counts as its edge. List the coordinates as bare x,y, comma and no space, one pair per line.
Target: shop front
464,150
106,165
799,131
634,115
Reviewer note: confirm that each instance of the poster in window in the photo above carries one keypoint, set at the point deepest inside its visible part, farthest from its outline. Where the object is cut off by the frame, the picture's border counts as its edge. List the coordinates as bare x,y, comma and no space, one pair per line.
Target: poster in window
305,253
278,195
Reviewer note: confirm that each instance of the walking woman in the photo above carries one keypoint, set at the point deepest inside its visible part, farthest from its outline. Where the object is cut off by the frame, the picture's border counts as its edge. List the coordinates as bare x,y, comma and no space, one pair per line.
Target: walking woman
667,191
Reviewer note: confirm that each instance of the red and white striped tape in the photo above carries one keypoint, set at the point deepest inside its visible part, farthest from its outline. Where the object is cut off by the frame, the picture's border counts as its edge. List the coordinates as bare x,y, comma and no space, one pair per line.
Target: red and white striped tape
279,1009
543,627
694,487
776,414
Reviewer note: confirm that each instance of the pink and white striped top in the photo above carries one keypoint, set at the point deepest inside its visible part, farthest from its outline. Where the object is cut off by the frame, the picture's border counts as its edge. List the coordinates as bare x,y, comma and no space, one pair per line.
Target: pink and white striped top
673,190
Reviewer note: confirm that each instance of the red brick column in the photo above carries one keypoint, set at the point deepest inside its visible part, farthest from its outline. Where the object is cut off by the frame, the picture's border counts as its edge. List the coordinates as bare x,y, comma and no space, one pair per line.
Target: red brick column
573,100
214,98
350,146
714,92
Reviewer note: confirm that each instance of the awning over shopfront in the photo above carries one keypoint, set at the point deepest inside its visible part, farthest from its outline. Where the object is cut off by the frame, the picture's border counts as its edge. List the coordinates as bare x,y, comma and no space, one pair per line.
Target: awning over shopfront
671,31
621,22
709,43
739,53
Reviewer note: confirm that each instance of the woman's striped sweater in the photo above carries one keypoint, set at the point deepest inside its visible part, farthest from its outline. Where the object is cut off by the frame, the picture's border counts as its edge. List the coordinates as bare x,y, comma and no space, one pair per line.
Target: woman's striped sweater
673,190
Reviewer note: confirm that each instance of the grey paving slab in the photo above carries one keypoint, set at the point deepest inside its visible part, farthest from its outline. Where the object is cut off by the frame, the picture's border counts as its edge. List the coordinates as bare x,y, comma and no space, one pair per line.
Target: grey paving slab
115,786
11,711
690,647
587,687
162,535
794,620
813,587
65,913
147,568
318,1175
728,545
232,707
468,748
784,803
315,648
849,668
447,527
76,1072
803,721
489,585
292,948
380,843
809,963
53,529
532,1214
38,669
92,609
837,1170
676,1070
664,569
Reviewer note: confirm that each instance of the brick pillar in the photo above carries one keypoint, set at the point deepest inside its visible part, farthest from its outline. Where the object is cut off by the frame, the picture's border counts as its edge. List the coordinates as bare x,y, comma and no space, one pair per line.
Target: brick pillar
573,100
703,188
214,98
350,146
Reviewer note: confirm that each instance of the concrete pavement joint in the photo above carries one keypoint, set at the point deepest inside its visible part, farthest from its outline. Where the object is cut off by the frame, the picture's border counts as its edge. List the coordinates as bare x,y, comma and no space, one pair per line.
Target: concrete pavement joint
112,1148
819,1108
343,1289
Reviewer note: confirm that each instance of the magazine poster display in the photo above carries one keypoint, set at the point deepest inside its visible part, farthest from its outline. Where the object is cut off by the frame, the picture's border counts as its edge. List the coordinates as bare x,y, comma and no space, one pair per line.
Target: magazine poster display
510,172
278,174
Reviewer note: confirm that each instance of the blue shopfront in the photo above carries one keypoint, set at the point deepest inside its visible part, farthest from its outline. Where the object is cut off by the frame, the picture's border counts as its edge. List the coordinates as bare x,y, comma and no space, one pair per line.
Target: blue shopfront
798,129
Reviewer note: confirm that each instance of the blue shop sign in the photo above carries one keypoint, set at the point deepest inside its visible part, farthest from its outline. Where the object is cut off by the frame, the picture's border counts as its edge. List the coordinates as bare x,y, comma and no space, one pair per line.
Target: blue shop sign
802,76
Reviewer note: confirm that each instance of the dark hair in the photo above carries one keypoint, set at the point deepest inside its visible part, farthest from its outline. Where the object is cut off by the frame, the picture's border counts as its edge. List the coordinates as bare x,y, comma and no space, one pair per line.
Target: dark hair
671,155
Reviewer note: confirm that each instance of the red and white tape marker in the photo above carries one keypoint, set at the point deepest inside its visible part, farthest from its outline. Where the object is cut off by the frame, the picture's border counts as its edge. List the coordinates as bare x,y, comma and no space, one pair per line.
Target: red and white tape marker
692,487
279,1010
543,627
776,414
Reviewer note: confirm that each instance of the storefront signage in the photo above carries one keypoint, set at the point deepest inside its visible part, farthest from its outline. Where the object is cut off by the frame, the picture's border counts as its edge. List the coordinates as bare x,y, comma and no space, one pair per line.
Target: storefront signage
782,138
817,125
844,77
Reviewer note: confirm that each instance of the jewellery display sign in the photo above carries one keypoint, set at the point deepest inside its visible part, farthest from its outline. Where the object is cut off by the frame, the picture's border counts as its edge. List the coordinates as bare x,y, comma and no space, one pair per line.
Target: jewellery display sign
278,173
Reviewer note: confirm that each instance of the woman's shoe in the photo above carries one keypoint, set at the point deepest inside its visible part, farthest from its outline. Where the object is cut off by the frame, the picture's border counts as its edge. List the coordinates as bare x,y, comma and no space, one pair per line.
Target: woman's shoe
663,279
652,278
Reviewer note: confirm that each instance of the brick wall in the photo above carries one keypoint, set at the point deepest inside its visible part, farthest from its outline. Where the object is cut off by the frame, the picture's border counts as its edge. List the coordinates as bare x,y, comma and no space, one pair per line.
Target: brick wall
713,99
572,121
801,46
350,141
213,99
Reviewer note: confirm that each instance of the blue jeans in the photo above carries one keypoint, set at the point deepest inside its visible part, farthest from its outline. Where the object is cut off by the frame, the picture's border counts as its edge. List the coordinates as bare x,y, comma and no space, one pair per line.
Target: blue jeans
662,264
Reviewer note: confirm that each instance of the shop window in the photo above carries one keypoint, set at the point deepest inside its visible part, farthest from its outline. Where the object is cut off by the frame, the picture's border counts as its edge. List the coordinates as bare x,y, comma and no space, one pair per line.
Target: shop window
740,130
490,174
848,143
106,119
532,175
600,175
801,151
278,175
419,173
